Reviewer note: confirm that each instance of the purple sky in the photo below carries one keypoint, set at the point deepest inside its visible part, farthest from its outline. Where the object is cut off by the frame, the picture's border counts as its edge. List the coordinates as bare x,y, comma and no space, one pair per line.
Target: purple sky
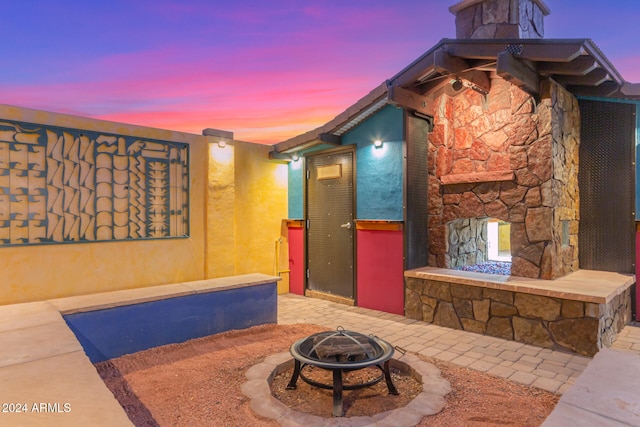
265,69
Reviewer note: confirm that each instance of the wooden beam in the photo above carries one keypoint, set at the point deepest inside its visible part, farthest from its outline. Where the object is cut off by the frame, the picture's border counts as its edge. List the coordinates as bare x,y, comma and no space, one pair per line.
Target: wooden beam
280,157
594,78
544,52
446,64
478,80
329,138
580,66
606,89
415,72
630,89
518,73
410,100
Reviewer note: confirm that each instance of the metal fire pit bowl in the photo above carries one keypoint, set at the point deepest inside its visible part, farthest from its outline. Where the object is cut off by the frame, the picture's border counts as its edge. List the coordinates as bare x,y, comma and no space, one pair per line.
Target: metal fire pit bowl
341,351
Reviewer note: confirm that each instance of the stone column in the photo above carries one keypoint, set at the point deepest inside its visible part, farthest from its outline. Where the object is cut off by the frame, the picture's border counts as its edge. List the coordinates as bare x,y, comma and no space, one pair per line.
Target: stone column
500,19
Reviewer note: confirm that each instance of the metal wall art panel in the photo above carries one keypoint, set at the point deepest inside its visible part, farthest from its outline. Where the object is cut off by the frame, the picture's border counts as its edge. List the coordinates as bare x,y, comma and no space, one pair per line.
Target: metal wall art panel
60,185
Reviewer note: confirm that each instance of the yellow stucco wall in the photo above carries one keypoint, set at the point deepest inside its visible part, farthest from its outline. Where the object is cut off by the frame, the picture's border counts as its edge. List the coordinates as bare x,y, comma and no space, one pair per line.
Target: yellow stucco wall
246,203
237,197
36,272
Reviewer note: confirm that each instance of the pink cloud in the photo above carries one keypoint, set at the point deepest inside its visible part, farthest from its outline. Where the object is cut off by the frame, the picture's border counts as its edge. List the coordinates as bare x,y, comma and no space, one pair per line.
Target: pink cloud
629,67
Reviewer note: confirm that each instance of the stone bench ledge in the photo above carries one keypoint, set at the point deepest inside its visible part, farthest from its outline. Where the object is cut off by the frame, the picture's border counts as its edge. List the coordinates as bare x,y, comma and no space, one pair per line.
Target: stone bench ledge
598,287
105,300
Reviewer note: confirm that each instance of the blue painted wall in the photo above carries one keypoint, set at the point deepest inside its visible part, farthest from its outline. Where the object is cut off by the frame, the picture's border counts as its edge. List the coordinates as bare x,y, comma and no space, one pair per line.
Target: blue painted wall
637,104
379,174
105,334
379,170
296,183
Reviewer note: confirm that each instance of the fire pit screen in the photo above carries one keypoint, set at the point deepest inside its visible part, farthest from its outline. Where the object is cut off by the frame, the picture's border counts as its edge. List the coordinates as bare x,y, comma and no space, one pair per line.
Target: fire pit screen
341,351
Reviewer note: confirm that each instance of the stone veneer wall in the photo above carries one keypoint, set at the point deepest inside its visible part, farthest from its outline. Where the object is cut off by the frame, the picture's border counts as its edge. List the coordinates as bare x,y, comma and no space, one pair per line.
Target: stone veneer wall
548,322
509,131
467,238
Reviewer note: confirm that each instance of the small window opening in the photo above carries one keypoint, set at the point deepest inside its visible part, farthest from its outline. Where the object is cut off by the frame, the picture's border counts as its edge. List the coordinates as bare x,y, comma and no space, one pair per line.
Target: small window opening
499,240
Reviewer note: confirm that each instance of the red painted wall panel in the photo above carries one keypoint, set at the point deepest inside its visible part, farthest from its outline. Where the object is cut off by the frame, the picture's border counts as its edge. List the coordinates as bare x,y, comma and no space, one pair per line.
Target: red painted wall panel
380,277
296,260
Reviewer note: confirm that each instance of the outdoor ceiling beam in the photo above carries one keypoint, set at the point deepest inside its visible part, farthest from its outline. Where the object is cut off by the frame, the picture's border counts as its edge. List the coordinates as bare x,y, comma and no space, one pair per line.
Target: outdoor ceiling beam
446,64
630,89
606,89
410,100
518,73
458,68
542,52
421,69
477,80
580,66
280,157
594,78
329,138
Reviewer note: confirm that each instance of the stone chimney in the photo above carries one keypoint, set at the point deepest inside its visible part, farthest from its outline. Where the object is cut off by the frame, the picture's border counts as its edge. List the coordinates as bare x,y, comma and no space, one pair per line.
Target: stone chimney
500,19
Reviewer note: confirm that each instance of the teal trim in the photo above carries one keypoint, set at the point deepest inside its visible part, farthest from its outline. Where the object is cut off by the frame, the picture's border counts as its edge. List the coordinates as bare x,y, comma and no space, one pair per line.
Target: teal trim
637,104
379,171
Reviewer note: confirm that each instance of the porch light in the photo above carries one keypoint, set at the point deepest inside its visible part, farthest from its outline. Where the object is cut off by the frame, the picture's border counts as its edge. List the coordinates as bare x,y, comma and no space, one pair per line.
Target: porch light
377,143
222,144
456,84
295,157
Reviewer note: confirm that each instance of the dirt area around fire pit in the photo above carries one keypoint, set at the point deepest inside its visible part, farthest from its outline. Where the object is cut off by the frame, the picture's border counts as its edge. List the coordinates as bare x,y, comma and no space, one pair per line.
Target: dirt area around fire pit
318,401
198,383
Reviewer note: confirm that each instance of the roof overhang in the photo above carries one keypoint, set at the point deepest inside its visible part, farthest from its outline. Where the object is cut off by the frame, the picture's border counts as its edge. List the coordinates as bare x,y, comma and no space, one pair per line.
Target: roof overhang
331,132
576,64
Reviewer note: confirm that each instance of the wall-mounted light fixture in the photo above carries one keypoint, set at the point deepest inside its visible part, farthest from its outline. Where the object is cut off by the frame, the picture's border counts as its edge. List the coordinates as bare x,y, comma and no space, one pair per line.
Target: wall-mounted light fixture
377,143
222,136
456,84
295,157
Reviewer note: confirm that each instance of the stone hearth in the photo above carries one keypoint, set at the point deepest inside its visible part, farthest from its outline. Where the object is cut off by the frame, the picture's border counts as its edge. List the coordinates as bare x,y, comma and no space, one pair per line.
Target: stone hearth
563,314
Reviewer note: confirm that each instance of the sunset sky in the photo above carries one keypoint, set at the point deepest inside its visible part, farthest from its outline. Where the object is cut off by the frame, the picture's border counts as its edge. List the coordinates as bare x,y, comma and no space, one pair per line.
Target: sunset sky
266,70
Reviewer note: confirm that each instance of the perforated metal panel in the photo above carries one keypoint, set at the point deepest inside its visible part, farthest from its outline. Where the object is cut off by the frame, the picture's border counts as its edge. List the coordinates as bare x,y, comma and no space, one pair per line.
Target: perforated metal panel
607,187
330,211
416,245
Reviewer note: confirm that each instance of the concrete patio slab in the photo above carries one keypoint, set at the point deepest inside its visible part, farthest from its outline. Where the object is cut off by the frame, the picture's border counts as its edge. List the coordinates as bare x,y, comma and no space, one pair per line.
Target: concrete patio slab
19,316
62,390
605,394
37,342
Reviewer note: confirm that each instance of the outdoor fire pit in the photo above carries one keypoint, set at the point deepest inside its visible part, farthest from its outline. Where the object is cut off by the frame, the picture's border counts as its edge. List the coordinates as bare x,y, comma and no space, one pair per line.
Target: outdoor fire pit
341,351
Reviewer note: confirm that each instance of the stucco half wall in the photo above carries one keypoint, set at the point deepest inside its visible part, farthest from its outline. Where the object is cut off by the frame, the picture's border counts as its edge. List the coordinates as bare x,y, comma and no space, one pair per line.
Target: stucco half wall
38,272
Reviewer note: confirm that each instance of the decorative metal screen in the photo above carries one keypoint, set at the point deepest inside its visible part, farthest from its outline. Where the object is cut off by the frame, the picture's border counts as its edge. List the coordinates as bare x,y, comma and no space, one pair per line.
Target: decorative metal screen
606,180
67,185
416,245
